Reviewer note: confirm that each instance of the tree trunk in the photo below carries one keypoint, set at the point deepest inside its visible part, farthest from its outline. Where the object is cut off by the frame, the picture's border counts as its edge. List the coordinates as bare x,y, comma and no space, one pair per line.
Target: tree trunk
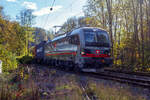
141,24
109,8
135,35
149,21
104,24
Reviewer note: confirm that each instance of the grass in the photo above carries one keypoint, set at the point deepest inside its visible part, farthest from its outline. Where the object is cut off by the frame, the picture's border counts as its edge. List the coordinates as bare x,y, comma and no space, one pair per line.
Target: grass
9,92
66,88
14,86
113,93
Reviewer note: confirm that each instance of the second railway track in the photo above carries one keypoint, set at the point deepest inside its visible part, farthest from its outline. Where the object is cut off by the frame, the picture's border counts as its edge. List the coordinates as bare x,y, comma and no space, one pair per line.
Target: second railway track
144,74
130,79
121,79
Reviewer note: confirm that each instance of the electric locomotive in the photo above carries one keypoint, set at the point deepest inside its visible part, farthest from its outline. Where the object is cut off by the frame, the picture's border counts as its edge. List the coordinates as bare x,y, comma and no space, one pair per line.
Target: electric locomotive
82,48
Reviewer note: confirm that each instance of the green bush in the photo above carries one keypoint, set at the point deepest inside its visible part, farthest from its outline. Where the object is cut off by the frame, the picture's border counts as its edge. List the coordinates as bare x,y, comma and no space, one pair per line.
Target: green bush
26,60
9,61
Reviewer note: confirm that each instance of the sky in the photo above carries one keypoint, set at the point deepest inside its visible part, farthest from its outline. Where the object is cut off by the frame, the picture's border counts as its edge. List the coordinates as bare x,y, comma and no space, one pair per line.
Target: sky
62,10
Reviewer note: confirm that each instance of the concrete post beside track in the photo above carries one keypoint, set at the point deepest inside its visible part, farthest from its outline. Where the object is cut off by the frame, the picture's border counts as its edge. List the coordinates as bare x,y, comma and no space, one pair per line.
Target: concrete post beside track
0,66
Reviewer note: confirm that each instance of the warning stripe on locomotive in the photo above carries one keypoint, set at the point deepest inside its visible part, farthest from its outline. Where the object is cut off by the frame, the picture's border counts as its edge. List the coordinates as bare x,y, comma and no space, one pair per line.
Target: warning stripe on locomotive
67,53
93,55
74,53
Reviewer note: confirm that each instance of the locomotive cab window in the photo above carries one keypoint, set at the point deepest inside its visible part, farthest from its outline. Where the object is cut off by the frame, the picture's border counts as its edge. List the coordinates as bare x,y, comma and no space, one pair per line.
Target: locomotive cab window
74,40
96,38
102,37
90,36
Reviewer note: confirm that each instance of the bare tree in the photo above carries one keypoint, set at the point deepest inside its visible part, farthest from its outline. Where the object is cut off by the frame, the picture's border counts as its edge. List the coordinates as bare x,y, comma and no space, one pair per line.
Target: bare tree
110,18
141,25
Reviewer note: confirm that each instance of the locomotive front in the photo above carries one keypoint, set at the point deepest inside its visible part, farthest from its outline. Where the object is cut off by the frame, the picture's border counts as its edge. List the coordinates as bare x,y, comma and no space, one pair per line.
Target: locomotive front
95,51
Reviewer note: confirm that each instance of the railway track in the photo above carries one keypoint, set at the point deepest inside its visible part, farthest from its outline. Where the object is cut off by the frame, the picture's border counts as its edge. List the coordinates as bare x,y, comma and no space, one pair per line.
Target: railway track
113,75
130,73
87,93
122,79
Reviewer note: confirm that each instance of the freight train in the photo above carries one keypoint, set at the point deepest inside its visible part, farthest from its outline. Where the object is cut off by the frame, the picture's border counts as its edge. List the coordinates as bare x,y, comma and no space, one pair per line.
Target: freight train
82,48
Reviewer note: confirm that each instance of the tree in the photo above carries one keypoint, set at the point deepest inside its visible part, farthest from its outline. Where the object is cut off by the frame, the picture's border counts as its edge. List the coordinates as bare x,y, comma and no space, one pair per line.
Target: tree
1,8
12,42
128,23
141,25
74,22
69,25
39,35
27,20
50,35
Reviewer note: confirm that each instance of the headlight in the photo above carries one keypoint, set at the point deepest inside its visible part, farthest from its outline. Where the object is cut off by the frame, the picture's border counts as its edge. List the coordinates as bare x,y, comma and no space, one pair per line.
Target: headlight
109,54
82,53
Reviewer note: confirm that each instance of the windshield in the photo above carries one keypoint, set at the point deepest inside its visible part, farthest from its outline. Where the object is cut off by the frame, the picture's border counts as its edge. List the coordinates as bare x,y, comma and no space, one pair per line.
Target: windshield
90,37
102,37
98,36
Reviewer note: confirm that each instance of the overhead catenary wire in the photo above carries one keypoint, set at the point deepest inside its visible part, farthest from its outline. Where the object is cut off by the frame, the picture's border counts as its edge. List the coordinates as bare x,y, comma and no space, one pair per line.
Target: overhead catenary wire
56,16
47,18
52,5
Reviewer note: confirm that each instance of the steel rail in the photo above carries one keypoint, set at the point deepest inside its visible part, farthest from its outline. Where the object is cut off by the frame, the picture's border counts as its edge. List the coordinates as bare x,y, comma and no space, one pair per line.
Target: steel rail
121,79
88,95
131,73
